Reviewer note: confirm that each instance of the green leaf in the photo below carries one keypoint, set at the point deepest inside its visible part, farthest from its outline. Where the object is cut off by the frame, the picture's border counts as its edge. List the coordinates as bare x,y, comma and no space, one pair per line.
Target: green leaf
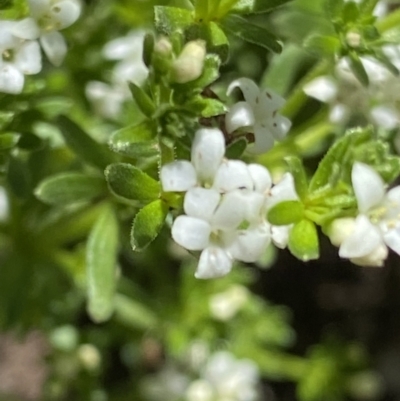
83,145
350,12
251,33
8,140
148,48
381,57
30,142
299,175
258,6
303,241
287,212
337,163
19,177
322,44
143,100
131,183
206,107
147,224
5,4
358,69
101,261
333,8
171,19
236,148
67,188
138,140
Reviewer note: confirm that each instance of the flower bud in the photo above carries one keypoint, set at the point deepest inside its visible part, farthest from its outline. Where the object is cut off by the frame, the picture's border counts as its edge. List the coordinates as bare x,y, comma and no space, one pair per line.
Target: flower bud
163,47
340,229
89,356
376,258
189,64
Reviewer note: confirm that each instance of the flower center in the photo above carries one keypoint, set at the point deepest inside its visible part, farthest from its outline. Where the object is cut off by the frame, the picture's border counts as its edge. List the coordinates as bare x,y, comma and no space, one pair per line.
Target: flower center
8,55
48,24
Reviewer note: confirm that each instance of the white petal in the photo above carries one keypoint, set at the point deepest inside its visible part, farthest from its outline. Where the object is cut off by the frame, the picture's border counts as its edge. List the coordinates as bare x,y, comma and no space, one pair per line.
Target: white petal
64,13
253,205
130,46
54,46
7,39
26,29
261,177
280,127
191,233
368,186
11,79
39,7
364,239
249,89
214,262
340,229
323,89
385,117
283,191
232,174
130,71
263,139
239,115
269,101
201,202
231,211
178,176
392,239
339,114
374,259
28,59
251,244
208,150
280,235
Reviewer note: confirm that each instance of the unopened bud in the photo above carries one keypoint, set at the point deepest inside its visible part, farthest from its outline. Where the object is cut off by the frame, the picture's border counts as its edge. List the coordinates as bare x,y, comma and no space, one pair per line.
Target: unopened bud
89,356
189,65
340,229
353,39
376,258
163,47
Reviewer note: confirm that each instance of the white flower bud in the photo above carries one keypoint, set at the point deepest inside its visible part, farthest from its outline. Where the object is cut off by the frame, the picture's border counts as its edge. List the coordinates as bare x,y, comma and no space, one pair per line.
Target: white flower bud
374,259
225,305
340,229
163,47
189,64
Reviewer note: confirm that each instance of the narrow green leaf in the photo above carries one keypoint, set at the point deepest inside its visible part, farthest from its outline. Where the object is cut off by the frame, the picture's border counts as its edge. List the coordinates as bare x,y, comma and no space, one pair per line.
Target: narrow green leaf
147,224
101,260
67,188
251,33
236,149
333,8
299,174
287,212
133,314
171,19
350,12
303,241
143,100
381,57
148,47
358,68
258,6
19,177
206,107
322,44
131,183
8,140
138,140
83,145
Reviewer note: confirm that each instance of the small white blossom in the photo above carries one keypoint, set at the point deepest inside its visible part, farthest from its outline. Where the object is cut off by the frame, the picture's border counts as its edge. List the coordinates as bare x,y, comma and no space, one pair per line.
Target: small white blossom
378,224
47,18
17,58
225,305
258,114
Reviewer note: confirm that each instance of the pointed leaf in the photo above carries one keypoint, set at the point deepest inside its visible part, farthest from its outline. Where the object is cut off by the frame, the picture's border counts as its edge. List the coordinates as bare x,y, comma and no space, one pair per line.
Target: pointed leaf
147,224
251,33
67,188
171,19
131,183
83,145
138,140
142,99
287,212
358,68
322,44
303,241
236,148
101,260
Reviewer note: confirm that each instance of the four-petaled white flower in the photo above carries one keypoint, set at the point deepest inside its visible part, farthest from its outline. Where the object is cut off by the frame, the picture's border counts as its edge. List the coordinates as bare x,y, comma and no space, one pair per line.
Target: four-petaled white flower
224,203
47,18
17,58
258,114
378,224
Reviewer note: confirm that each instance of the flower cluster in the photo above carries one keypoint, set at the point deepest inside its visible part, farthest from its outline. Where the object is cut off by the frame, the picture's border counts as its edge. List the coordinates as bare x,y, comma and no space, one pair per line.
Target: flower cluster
19,49
258,113
108,99
225,205
366,238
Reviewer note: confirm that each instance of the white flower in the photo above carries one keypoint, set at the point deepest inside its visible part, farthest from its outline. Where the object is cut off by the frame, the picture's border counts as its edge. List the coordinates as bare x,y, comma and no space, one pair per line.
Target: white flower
258,114
128,50
225,378
17,58
378,224
225,305
47,18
